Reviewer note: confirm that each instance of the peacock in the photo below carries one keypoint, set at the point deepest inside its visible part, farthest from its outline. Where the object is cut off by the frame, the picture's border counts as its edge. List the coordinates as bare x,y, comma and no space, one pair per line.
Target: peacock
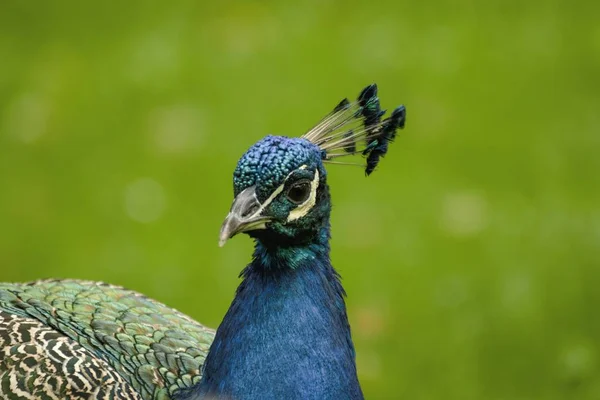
286,334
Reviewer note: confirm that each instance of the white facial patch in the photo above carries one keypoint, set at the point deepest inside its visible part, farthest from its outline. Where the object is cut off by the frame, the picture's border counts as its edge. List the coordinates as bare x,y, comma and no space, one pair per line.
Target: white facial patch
305,207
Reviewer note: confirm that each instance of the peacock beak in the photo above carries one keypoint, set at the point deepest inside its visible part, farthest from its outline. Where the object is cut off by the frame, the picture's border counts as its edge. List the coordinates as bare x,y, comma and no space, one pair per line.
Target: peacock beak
245,215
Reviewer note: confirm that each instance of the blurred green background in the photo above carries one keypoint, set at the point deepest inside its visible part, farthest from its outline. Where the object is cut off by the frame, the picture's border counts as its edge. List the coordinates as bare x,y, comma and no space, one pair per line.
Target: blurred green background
471,258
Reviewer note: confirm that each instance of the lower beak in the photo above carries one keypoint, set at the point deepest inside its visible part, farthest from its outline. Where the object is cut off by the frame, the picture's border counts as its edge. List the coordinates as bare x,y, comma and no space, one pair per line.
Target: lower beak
233,225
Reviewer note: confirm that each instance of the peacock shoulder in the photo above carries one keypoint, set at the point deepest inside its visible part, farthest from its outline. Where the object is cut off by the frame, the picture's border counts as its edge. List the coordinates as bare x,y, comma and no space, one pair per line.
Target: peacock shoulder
157,350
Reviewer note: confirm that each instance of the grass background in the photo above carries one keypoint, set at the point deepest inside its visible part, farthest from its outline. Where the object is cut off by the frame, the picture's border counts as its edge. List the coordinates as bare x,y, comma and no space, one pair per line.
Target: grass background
471,258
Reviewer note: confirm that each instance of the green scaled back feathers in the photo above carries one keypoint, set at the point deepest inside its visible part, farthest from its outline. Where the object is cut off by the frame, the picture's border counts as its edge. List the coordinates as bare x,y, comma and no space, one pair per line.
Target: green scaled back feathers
77,339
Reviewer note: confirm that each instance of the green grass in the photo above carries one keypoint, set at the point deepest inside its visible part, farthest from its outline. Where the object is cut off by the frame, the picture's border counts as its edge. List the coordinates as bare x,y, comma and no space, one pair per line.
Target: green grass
471,258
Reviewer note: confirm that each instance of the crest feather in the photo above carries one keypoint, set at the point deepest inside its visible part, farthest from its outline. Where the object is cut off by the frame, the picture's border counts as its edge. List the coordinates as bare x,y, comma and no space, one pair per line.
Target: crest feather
356,127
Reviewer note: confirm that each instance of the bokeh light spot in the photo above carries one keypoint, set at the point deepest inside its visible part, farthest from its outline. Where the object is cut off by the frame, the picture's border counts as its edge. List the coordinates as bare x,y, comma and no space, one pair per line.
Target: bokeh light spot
145,200
361,226
464,213
177,129
451,292
26,118
578,360
370,321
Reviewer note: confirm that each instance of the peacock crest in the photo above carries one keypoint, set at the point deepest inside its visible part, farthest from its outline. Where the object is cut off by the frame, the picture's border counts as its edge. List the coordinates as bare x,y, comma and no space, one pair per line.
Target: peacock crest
357,128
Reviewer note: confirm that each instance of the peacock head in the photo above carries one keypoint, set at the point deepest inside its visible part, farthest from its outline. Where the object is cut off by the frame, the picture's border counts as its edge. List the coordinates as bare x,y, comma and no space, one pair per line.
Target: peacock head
280,183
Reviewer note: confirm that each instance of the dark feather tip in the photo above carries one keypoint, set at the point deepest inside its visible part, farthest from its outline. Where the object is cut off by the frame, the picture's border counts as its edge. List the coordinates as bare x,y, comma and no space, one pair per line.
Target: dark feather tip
378,146
369,101
367,93
399,116
350,146
344,104
373,158
369,108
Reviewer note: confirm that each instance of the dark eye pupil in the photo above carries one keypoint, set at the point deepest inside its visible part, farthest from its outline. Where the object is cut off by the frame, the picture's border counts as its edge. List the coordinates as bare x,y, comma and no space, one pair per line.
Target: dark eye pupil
299,192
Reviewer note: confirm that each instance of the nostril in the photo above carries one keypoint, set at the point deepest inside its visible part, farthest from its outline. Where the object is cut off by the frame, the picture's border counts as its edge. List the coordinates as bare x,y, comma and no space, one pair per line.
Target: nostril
250,210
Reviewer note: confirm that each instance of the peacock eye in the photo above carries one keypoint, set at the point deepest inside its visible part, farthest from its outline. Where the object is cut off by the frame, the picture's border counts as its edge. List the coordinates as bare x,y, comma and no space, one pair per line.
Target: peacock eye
299,192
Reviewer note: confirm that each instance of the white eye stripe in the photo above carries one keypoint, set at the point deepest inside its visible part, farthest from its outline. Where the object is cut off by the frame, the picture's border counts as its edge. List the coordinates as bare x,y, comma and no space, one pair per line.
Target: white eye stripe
276,193
305,207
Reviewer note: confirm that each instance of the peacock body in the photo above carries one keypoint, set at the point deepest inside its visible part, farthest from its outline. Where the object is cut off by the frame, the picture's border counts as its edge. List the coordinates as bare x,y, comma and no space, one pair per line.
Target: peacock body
286,334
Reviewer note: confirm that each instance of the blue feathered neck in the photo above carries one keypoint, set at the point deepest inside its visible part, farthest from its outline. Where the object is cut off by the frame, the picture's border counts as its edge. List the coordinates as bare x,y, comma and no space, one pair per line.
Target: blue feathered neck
286,334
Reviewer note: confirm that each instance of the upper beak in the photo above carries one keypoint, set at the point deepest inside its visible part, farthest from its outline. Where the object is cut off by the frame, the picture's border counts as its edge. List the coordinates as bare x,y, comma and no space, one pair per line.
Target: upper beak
244,216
